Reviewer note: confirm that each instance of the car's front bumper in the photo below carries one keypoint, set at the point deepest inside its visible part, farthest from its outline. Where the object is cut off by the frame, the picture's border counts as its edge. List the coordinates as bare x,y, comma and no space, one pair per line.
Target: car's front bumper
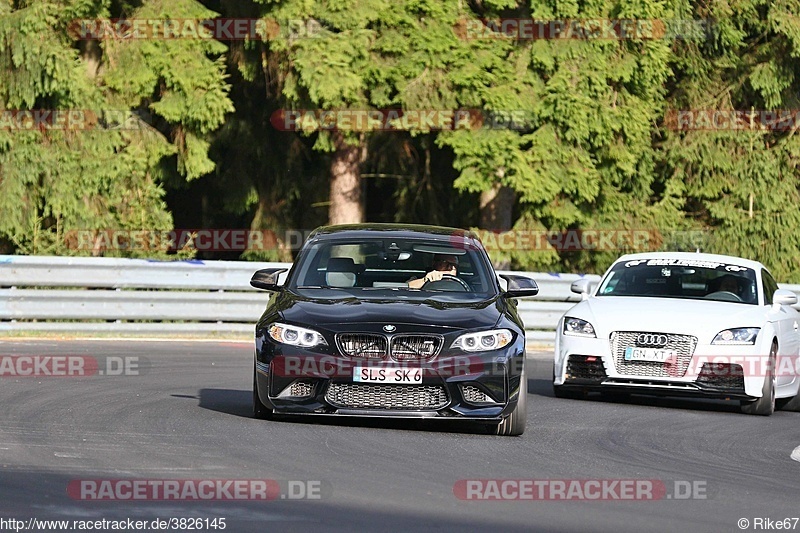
481,386
711,371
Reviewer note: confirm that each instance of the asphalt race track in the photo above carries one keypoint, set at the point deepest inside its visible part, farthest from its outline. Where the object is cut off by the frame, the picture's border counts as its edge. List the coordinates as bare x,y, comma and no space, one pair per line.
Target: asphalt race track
180,411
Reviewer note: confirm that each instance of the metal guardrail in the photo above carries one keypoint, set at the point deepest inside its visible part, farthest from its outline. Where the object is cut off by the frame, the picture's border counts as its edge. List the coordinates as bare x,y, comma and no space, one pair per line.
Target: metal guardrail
78,294
128,295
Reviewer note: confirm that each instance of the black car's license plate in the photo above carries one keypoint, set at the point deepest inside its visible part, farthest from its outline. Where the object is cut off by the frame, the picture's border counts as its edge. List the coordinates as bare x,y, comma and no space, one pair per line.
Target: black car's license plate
367,374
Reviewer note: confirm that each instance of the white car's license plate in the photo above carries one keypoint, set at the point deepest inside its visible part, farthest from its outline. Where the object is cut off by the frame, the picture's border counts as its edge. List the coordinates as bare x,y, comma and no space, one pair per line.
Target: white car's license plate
650,354
367,374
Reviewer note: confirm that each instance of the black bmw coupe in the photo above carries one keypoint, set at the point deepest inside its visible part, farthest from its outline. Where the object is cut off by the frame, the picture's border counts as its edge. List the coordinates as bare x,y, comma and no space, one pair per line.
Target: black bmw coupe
388,320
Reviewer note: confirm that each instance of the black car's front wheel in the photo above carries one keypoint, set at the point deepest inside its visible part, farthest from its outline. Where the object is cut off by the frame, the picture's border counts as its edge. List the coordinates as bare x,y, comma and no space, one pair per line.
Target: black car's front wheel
260,410
514,424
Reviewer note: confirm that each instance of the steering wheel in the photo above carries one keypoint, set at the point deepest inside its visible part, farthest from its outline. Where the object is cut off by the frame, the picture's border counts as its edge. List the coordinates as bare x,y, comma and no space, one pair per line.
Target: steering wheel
447,283
725,296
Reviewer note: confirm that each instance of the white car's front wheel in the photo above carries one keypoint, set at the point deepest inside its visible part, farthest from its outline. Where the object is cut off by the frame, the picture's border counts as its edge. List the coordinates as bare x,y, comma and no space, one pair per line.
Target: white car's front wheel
765,405
789,404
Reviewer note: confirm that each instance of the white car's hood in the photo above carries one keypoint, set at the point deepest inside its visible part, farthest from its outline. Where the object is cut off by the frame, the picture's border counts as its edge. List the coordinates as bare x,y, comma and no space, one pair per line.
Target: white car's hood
703,319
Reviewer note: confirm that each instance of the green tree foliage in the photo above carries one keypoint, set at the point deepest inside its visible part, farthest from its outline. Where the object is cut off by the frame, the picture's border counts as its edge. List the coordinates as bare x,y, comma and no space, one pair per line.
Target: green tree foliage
741,186
56,181
594,151
356,56
582,130
579,151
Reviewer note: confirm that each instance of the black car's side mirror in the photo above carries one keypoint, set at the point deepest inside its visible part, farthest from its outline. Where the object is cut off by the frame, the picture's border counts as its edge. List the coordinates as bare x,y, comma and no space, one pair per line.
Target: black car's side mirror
267,279
519,286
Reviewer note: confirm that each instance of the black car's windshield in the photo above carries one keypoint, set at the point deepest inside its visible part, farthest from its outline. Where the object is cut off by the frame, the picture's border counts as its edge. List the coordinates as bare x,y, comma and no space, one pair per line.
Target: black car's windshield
681,278
378,265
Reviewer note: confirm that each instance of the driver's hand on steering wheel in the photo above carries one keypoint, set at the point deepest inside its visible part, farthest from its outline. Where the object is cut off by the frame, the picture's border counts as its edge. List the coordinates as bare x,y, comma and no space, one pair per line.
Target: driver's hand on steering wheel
434,275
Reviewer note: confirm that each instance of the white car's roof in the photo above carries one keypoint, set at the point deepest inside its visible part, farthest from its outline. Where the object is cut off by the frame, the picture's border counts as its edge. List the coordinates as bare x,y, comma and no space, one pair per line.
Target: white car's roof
716,258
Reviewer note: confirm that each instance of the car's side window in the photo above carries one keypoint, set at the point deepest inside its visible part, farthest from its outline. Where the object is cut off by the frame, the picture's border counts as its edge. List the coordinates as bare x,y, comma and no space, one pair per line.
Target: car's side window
770,286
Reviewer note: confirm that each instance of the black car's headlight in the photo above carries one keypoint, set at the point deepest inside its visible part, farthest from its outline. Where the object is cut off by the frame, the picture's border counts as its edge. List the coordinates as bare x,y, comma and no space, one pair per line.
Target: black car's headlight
578,328
737,336
483,341
295,335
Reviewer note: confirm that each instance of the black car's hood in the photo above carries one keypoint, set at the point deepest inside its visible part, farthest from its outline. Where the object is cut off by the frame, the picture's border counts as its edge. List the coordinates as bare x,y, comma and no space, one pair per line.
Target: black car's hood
449,313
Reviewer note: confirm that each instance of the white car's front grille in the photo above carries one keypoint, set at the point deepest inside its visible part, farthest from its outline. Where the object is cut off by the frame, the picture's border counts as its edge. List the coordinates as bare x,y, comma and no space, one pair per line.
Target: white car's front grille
683,345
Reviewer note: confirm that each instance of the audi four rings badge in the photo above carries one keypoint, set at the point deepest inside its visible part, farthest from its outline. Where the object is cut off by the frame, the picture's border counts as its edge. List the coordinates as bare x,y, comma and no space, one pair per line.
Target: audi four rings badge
651,339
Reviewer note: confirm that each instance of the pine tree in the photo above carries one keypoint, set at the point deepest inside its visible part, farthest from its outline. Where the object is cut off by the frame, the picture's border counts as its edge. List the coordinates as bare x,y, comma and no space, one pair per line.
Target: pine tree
55,182
740,185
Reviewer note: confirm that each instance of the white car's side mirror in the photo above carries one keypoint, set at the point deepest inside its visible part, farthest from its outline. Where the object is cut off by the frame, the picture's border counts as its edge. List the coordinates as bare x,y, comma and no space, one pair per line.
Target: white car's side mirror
784,297
582,287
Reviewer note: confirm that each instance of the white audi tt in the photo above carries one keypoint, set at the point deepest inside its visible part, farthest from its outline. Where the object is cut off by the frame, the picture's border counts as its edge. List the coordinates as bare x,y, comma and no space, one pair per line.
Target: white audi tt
682,324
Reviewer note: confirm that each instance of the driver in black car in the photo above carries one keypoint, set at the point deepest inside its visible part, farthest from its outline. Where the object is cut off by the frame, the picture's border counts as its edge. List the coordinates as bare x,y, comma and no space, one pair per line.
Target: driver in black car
442,264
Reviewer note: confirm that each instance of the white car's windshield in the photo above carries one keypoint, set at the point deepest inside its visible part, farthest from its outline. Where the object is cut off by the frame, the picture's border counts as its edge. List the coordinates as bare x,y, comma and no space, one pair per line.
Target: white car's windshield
681,278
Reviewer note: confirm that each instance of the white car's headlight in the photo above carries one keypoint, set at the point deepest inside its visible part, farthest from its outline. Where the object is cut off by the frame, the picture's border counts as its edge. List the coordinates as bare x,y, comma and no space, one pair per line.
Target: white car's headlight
295,335
578,327
483,341
737,336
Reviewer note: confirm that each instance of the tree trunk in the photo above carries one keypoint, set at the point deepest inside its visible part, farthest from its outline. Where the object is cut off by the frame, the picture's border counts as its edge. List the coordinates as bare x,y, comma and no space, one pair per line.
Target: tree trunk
496,206
272,244
345,206
92,54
